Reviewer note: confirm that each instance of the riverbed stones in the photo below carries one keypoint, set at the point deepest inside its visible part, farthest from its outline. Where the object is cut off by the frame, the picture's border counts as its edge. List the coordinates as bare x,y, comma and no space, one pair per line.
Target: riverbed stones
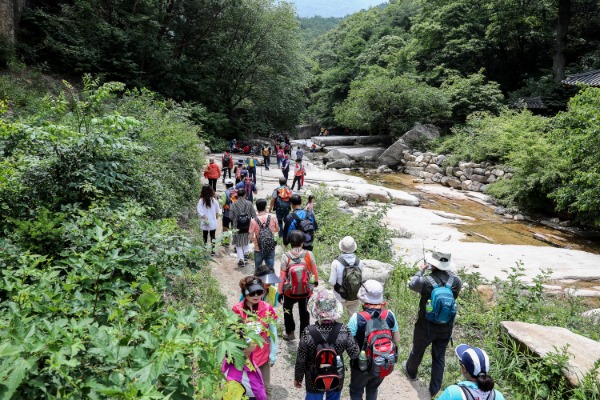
592,315
544,340
394,154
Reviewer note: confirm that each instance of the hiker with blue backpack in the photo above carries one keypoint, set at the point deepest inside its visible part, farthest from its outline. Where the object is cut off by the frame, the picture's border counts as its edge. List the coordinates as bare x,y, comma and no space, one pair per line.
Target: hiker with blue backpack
437,309
302,220
375,330
319,360
475,368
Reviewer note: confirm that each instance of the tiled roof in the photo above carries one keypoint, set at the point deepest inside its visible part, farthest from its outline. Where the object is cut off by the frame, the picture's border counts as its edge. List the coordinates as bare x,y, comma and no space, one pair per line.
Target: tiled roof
591,78
529,102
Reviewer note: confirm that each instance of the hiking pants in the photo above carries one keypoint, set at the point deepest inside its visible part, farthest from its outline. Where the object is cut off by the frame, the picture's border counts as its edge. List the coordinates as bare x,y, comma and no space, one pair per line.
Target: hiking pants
205,236
265,371
297,178
288,316
267,161
329,395
438,336
363,382
225,171
213,183
279,161
252,172
285,174
268,258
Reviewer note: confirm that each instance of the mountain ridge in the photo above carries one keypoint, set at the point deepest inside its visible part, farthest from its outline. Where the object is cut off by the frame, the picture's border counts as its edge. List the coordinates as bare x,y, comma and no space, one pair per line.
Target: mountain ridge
334,8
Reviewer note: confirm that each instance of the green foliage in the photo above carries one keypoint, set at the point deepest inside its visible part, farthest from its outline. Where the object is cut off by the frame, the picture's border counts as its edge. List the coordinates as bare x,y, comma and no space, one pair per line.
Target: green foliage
7,51
374,238
316,26
391,105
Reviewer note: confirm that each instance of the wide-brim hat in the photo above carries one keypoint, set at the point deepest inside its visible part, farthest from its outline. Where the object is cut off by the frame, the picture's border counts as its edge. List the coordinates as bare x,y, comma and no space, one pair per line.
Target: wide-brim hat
441,259
371,292
475,360
267,275
347,244
323,306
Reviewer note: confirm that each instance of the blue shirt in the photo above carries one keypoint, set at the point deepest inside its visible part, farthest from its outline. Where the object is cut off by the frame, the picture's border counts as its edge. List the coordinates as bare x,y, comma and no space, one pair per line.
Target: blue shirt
454,392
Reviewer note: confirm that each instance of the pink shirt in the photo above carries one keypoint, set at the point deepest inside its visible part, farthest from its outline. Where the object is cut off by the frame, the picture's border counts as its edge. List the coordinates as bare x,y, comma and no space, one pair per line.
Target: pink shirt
264,312
255,229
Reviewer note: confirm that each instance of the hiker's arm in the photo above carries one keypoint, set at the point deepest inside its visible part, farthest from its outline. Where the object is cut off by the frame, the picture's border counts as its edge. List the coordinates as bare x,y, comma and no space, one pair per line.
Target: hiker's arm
272,205
351,347
395,330
333,274
314,269
273,343
287,222
282,273
417,281
301,358
252,233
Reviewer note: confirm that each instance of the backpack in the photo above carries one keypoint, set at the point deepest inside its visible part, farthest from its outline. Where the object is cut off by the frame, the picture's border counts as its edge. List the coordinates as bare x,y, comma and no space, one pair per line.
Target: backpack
468,394
266,241
243,222
283,198
297,285
306,226
351,280
379,345
230,198
280,153
265,152
325,371
442,302
226,160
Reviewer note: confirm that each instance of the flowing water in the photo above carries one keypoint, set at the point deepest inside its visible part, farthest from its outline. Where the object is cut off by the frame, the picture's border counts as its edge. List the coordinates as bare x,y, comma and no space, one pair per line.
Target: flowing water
486,226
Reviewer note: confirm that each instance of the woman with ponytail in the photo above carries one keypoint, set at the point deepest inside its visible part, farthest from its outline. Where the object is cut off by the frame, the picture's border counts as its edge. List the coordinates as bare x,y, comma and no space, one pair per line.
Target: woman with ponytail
475,367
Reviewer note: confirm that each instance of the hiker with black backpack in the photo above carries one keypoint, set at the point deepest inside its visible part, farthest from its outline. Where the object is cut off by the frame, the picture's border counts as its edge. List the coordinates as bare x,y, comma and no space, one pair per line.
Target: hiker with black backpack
437,309
262,231
241,214
280,202
375,330
299,275
302,220
226,164
346,275
319,360
474,367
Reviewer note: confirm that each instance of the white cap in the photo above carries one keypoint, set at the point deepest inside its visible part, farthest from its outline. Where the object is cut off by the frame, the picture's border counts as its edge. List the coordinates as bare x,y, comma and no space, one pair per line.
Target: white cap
347,244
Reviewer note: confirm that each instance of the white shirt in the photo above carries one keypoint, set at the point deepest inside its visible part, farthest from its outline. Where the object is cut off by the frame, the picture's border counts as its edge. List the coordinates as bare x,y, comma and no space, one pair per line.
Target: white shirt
337,271
208,215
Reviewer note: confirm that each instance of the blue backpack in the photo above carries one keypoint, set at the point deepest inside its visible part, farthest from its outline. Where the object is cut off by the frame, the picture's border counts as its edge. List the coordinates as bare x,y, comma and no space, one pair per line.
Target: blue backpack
443,306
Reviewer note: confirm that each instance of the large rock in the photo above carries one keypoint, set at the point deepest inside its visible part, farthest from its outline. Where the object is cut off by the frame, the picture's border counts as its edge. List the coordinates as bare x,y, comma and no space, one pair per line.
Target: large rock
337,155
359,153
543,340
394,154
341,163
419,134
358,193
334,140
376,270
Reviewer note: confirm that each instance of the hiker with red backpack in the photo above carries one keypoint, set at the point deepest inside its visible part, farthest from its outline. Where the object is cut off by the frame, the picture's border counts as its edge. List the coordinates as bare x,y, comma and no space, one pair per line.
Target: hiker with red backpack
261,317
300,219
262,231
346,275
319,360
280,202
226,164
241,213
299,173
375,330
299,275
435,321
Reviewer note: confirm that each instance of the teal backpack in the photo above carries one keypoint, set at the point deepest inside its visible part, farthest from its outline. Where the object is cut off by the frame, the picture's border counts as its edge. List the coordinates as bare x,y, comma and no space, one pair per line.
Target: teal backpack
443,305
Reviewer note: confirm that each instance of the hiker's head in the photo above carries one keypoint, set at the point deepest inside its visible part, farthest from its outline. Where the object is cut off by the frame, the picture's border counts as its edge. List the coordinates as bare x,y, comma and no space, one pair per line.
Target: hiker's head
282,181
241,193
228,183
206,194
248,179
296,200
296,238
440,259
252,289
323,306
371,292
261,205
475,366
266,275
211,160
311,199
347,245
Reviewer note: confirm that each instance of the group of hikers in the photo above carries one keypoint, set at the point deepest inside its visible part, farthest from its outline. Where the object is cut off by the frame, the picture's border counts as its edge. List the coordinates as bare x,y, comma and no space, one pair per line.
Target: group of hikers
371,336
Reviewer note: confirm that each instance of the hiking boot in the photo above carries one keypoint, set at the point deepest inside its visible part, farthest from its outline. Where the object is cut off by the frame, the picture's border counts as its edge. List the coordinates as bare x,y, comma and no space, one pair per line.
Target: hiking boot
289,336
410,378
241,263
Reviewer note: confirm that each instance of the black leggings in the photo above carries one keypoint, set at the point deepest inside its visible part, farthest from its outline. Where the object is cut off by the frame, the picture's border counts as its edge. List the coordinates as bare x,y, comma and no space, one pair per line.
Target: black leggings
299,180
213,184
205,236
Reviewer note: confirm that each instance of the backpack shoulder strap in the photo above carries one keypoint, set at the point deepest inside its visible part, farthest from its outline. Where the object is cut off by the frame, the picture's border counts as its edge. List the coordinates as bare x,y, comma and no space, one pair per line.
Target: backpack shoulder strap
335,331
384,314
297,219
316,335
268,223
365,315
466,392
342,261
431,281
450,281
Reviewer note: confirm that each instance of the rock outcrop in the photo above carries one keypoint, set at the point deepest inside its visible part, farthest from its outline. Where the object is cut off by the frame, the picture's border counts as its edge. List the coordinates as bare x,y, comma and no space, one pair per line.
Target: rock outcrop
373,269
360,193
543,340
348,140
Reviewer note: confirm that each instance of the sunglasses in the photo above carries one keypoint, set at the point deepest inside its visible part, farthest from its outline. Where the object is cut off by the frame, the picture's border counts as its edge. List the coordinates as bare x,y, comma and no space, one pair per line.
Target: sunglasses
256,293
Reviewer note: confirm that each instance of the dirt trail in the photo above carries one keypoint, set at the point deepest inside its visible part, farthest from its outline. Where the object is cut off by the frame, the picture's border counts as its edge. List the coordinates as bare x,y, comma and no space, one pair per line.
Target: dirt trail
226,271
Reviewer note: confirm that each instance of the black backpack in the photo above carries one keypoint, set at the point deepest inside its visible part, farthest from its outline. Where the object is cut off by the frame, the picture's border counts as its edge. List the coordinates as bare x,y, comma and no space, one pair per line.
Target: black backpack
243,221
305,225
325,371
266,241
351,280
226,160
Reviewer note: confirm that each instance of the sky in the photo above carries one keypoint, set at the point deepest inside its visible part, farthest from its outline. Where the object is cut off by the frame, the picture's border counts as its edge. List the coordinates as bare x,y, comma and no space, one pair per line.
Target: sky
332,8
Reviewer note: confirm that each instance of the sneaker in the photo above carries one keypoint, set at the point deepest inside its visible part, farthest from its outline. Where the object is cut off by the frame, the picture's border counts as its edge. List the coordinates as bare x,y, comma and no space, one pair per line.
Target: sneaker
410,378
241,263
246,256
289,336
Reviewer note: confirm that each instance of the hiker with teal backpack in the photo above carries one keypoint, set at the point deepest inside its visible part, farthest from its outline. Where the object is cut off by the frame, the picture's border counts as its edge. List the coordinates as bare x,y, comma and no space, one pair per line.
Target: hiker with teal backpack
319,360
302,220
346,275
375,330
437,309
475,368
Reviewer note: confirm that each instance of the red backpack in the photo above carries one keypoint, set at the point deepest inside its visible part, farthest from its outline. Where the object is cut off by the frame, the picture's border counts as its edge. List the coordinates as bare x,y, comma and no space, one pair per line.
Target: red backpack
297,284
379,345
327,370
